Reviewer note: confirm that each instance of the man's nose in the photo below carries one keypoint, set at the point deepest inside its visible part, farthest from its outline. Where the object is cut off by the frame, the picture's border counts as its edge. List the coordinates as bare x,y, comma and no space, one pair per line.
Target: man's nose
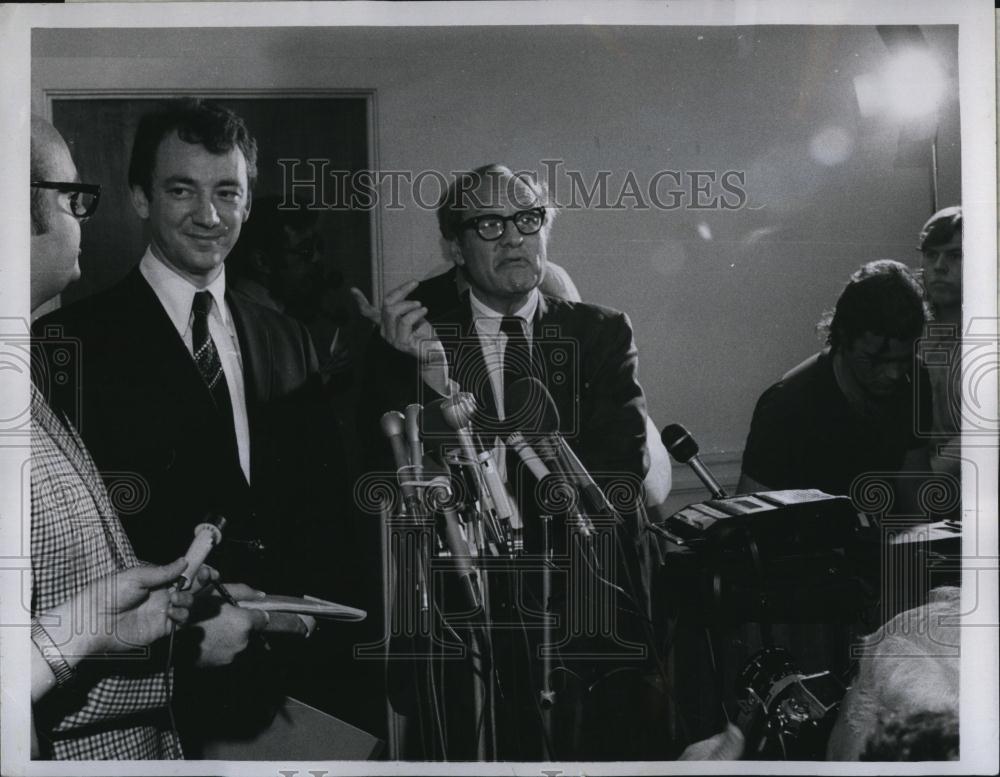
511,234
940,263
894,371
205,213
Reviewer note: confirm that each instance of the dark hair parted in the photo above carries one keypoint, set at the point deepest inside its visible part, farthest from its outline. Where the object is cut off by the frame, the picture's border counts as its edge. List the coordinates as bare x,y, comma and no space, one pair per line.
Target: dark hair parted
882,297
941,228
217,129
464,193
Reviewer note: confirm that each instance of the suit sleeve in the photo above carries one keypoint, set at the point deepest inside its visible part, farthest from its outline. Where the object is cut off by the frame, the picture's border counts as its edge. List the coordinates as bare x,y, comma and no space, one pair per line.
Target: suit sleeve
613,409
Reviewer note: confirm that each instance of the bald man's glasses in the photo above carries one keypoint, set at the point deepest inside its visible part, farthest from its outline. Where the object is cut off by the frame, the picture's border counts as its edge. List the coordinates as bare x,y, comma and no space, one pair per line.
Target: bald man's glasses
528,222
83,197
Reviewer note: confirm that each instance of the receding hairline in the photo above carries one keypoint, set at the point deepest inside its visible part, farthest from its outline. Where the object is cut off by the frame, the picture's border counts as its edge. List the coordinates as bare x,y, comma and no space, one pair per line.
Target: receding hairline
47,145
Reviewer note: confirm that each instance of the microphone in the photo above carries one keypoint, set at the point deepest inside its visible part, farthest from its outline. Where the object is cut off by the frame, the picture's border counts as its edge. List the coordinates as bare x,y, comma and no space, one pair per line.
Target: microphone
458,412
393,424
206,536
530,395
554,447
517,443
412,419
442,499
683,448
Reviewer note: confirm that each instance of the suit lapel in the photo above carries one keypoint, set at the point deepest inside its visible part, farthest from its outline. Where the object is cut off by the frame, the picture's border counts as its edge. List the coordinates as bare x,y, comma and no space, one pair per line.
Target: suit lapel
156,345
159,351
256,353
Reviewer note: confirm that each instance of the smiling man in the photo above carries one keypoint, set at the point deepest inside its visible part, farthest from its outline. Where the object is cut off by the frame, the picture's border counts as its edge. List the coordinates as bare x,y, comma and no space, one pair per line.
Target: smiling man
200,400
849,410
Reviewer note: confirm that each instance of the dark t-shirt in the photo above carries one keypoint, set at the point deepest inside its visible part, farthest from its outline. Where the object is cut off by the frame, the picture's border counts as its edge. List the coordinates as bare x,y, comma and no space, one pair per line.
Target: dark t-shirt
805,435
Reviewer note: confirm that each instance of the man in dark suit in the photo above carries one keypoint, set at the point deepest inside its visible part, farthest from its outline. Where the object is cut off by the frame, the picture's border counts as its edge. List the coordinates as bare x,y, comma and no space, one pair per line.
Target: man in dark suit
237,447
434,342
496,225
197,398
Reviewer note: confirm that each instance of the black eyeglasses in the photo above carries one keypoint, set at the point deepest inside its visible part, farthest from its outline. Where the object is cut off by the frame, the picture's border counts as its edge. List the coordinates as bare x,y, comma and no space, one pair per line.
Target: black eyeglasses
528,222
83,197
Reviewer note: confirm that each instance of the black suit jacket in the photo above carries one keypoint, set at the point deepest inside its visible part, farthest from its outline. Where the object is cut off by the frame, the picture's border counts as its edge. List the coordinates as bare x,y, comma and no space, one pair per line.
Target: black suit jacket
148,419
588,361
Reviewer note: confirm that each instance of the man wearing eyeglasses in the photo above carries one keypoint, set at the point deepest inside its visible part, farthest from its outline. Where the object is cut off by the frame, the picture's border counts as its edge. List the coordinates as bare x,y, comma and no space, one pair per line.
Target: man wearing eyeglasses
496,226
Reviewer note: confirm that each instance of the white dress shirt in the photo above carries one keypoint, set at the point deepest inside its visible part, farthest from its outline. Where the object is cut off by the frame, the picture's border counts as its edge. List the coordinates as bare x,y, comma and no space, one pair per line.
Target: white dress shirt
493,342
176,295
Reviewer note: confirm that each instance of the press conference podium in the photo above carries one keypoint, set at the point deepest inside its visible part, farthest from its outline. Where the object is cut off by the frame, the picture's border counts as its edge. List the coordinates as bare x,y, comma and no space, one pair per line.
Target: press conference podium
299,733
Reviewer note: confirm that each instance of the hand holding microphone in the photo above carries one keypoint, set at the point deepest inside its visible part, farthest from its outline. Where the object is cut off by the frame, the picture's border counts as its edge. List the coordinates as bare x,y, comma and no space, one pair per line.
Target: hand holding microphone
206,536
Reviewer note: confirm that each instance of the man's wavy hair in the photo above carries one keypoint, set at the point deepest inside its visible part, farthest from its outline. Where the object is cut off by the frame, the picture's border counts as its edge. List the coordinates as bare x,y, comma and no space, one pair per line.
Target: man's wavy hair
941,228
461,196
217,129
882,297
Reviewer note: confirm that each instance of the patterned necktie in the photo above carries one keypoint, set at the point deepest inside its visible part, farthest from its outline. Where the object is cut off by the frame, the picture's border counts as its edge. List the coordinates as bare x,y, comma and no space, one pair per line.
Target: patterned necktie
206,356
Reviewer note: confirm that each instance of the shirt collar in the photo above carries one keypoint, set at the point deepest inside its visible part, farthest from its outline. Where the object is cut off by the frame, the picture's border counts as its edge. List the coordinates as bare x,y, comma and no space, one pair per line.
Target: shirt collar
176,293
488,320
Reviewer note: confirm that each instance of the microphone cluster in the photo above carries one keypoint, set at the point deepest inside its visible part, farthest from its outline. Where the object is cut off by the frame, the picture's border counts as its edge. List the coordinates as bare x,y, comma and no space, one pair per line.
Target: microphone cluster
457,482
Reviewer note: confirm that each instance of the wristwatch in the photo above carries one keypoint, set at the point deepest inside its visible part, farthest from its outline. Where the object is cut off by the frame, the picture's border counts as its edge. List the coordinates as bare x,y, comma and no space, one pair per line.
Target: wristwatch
50,652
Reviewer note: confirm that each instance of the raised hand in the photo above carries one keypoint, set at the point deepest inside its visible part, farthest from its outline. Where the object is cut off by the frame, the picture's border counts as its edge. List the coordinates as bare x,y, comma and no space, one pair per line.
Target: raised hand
402,324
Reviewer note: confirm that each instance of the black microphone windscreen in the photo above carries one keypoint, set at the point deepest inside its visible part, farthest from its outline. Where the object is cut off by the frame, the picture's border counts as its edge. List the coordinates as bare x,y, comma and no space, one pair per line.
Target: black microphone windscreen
529,408
679,443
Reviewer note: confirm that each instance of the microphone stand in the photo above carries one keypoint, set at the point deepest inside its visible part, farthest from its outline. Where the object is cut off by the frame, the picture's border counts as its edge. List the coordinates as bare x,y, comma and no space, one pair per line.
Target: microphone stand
483,697
547,696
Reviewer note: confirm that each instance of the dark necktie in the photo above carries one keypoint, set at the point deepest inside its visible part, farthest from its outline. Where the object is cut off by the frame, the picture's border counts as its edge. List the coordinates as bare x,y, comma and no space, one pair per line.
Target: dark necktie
516,364
517,352
206,356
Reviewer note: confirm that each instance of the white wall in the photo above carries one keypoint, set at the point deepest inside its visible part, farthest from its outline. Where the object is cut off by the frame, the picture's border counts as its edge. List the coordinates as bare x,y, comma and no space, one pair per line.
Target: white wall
723,302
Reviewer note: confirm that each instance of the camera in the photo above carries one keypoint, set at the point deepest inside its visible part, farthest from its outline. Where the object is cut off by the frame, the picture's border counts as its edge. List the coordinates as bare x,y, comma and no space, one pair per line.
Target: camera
786,714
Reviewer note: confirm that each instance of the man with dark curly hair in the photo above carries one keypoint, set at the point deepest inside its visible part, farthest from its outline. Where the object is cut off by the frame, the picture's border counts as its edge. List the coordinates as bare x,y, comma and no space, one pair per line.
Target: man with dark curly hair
852,409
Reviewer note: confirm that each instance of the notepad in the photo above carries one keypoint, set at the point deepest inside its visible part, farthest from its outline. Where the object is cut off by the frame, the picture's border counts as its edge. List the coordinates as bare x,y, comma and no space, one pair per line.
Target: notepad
306,605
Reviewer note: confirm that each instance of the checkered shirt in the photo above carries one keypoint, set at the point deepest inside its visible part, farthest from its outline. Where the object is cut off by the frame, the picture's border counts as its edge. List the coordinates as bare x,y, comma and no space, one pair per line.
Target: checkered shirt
114,709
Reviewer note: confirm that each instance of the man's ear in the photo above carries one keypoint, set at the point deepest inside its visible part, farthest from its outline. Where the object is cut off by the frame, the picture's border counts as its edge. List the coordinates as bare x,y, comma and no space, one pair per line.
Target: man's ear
453,251
140,202
246,208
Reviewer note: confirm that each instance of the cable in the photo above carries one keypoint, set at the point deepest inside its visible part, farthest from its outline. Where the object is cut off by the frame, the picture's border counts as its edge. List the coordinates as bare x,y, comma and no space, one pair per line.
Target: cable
168,684
715,673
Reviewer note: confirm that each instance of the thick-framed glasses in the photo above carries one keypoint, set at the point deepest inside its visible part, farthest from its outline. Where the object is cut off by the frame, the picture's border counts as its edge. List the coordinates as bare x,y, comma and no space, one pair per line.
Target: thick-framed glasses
83,197
528,222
